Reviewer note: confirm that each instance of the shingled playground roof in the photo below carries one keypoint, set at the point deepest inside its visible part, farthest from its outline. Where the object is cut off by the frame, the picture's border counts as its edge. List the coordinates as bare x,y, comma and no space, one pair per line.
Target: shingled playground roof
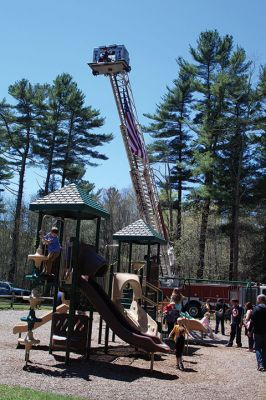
69,202
139,232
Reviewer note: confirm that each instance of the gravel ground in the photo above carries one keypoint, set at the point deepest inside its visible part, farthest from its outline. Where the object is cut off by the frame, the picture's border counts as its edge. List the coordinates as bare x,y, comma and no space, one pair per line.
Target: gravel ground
211,370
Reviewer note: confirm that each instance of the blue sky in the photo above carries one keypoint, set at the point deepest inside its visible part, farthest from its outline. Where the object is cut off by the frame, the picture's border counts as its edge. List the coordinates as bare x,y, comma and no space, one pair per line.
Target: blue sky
41,39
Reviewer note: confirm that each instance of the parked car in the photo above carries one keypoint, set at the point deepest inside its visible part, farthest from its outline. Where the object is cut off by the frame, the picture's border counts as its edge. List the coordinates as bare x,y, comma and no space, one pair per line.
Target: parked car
7,288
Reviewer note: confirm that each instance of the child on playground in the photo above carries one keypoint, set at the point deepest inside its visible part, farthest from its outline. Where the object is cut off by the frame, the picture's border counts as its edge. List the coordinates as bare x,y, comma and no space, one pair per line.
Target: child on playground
179,333
206,322
51,239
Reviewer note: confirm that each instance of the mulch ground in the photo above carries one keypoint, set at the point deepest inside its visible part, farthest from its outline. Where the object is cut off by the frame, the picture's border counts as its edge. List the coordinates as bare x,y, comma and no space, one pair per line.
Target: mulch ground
212,371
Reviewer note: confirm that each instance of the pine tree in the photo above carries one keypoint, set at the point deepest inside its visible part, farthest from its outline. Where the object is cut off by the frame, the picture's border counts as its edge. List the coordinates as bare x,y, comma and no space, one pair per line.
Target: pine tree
257,261
5,169
171,143
236,169
212,58
67,140
20,121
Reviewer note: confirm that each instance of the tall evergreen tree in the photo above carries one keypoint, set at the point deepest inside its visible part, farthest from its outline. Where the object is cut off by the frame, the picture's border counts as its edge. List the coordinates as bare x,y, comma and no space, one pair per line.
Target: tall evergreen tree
257,261
236,170
67,140
212,58
171,142
19,122
5,168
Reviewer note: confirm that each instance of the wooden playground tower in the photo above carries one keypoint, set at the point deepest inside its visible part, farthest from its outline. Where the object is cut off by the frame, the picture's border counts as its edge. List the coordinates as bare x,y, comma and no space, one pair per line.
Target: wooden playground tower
72,332
67,203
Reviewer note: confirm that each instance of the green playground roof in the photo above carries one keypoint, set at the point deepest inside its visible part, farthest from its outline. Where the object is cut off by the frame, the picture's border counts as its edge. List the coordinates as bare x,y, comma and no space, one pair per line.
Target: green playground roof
139,232
69,202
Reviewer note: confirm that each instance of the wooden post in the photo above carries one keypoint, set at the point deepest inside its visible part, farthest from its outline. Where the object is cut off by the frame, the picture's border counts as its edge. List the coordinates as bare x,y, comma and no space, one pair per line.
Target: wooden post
129,257
88,349
119,257
158,253
148,272
152,362
97,239
100,330
56,283
106,339
73,293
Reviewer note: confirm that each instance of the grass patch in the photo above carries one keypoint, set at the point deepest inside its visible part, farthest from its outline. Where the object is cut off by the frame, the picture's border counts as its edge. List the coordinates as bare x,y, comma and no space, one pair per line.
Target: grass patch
22,306
18,393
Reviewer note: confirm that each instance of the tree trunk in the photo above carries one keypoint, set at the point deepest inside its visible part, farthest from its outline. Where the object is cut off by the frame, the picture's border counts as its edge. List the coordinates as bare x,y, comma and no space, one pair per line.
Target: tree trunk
64,172
16,229
49,167
179,187
179,213
208,184
202,239
234,243
236,178
264,254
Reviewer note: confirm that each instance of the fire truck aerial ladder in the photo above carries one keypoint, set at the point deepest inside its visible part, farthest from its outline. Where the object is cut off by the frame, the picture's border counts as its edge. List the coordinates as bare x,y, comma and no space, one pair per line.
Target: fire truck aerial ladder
113,61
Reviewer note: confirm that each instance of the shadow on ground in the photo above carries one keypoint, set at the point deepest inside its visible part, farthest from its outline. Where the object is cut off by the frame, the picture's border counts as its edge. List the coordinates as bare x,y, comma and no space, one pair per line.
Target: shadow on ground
101,365
196,338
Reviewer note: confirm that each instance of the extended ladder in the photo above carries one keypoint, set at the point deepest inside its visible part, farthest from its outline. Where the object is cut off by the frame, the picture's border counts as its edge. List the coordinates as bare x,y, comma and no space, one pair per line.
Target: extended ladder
113,61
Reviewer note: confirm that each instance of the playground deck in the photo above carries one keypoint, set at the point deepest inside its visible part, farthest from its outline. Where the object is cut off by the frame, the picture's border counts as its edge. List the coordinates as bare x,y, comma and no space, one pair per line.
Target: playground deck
213,372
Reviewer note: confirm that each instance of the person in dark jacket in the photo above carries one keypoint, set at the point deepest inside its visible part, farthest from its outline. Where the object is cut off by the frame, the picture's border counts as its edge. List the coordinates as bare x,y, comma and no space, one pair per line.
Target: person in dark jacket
170,314
220,309
236,323
259,328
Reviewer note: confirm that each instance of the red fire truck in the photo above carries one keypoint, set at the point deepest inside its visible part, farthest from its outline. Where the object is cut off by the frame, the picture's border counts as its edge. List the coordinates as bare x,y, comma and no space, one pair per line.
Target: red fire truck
197,291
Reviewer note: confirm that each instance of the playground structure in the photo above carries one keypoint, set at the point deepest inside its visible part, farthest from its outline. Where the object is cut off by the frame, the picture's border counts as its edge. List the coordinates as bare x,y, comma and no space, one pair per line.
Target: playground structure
83,272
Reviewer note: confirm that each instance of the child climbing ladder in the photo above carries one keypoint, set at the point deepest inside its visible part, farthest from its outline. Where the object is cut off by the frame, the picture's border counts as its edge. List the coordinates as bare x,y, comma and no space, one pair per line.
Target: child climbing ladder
51,239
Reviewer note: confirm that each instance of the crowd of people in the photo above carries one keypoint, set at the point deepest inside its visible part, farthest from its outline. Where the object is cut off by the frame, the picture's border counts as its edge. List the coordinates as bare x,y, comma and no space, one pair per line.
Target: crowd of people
253,319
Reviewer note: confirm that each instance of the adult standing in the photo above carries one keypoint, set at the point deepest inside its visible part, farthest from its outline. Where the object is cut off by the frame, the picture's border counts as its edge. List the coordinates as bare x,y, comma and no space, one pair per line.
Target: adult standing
259,327
236,323
220,309
176,295
248,325
172,310
170,314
